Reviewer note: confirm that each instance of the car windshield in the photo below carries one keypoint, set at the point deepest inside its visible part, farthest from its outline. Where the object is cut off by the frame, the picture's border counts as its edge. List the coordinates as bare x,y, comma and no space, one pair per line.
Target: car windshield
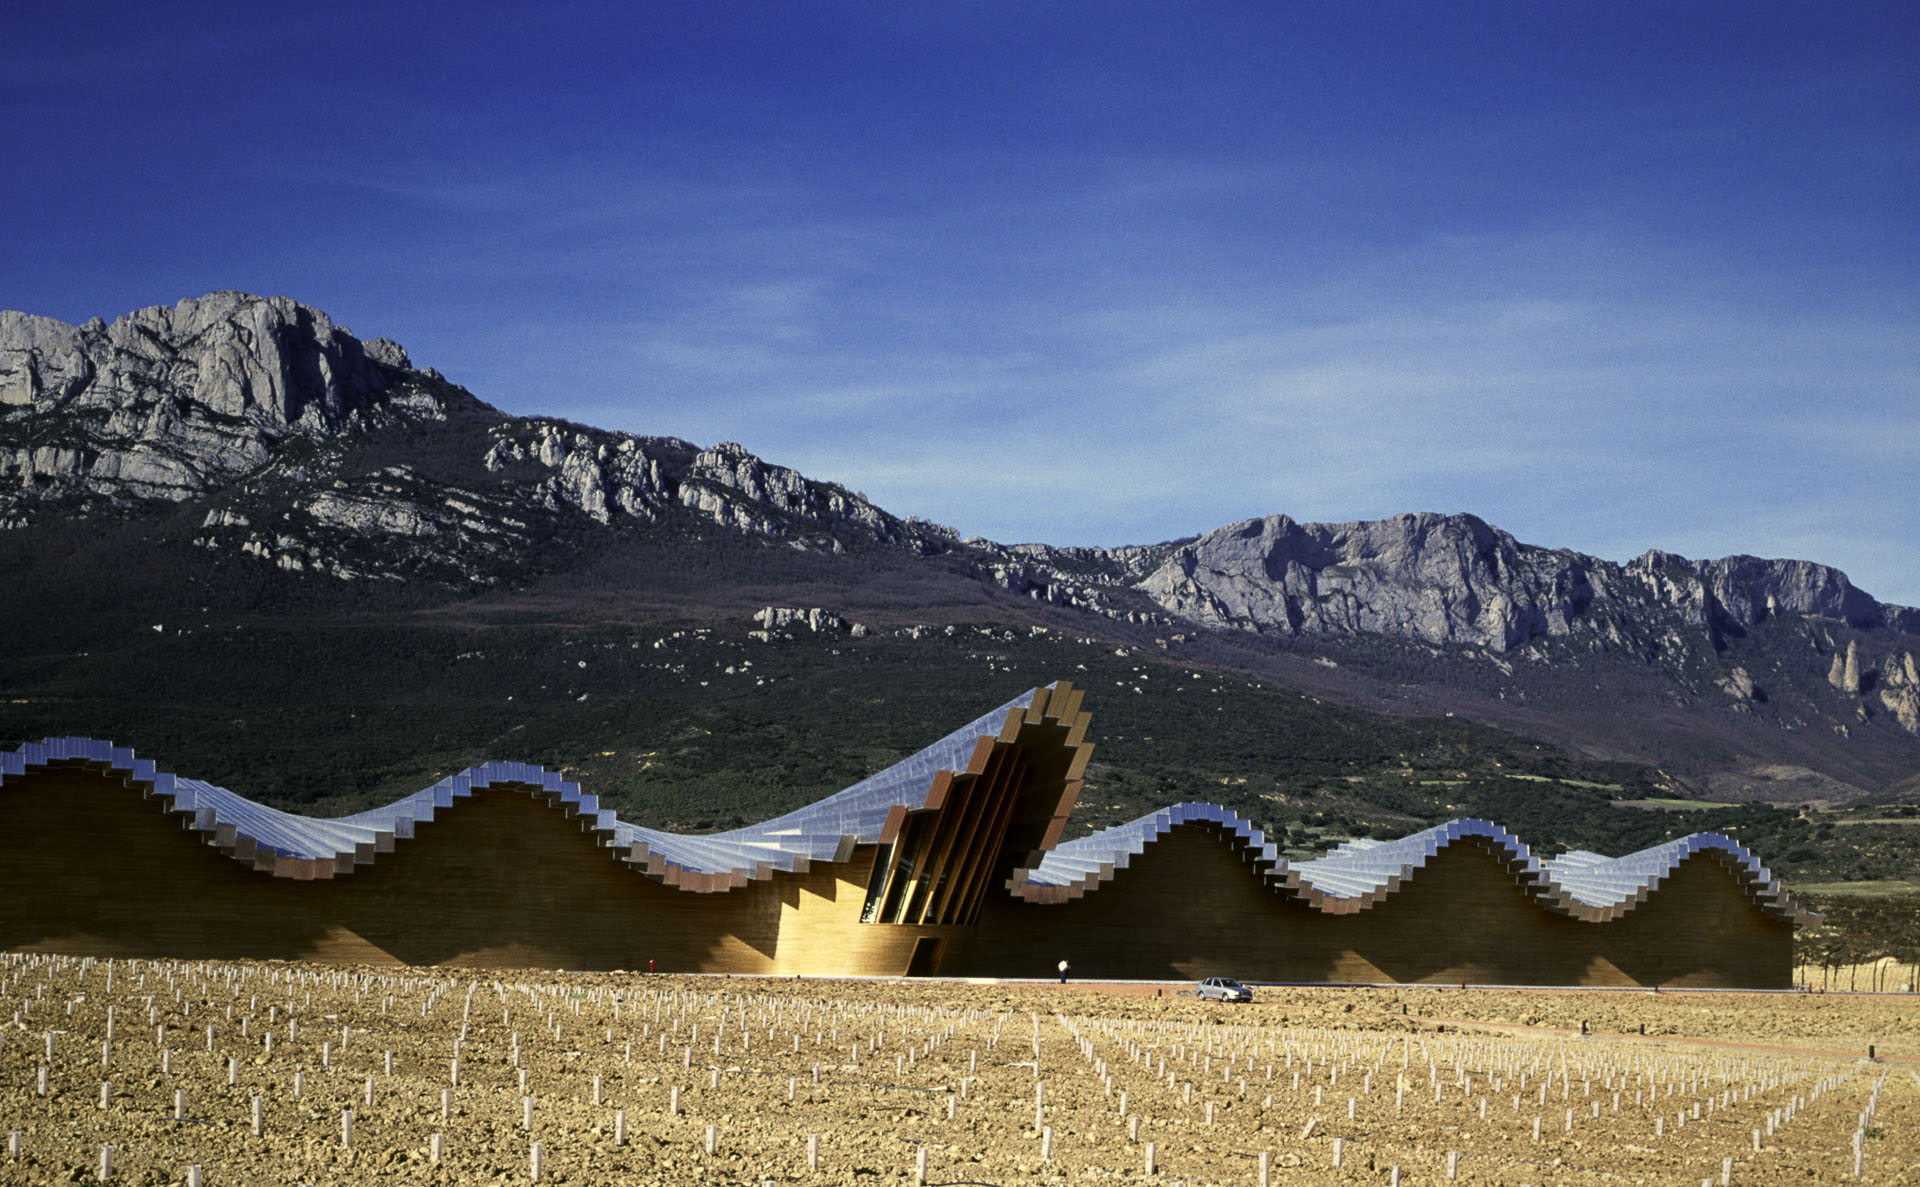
1229,983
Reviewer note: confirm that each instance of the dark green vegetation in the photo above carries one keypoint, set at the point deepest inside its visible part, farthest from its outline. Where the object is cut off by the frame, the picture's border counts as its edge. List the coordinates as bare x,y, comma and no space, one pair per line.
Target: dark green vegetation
1855,929
330,696
704,728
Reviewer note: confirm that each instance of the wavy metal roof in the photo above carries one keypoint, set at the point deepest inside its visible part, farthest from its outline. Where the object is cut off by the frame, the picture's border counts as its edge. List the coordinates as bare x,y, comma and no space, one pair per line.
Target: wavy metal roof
1350,878
1361,873
294,846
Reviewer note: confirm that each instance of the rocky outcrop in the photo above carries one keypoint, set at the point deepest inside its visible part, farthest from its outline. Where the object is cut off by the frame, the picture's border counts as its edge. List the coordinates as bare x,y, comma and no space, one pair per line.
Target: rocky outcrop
1747,590
1845,672
1457,580
170,403
1439,579
607,476
598,474
728,473
783,620
392,525
1739,685
1899,689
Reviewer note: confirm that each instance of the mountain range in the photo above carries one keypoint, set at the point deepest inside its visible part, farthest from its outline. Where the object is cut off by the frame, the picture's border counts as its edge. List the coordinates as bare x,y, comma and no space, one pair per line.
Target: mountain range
237,457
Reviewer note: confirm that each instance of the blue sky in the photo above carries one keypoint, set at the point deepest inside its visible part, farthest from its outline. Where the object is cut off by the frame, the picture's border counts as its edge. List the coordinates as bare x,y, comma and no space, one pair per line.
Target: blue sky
1612,276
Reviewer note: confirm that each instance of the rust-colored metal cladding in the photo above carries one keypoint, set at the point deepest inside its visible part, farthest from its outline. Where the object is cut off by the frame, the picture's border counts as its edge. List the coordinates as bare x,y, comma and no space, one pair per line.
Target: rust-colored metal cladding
950,860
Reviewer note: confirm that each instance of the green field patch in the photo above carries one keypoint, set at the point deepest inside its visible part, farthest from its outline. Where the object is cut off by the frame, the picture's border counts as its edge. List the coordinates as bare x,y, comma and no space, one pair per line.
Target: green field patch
1671,805
1890,887
1568,782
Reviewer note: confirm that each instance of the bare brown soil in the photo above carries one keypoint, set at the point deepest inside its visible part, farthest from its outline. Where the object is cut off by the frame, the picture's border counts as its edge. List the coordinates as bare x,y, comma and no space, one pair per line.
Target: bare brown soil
984,1083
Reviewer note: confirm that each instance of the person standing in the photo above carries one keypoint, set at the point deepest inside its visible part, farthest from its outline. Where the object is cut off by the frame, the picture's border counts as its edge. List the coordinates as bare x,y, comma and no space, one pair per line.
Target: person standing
1063,972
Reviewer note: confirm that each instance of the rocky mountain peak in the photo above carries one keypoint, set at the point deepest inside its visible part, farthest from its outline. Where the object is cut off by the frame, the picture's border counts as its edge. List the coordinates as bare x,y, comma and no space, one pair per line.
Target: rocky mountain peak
1437,578
1454,579
169,402
268,360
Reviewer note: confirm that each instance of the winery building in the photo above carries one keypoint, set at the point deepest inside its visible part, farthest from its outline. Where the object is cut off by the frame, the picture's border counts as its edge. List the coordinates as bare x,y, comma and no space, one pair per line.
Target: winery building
949,862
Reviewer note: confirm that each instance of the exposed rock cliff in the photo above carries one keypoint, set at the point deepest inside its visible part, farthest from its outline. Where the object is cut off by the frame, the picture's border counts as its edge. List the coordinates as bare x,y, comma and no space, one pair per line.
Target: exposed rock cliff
1845,672
263,405
1899,690
1455,579
170,403
607,476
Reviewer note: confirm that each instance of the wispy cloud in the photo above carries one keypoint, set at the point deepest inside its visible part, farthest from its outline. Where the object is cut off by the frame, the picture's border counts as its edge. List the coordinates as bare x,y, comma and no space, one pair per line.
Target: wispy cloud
1302,265
1611,423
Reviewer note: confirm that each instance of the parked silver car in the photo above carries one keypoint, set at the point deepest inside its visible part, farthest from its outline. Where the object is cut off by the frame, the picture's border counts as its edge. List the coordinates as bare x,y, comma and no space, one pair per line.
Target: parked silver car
1222,989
